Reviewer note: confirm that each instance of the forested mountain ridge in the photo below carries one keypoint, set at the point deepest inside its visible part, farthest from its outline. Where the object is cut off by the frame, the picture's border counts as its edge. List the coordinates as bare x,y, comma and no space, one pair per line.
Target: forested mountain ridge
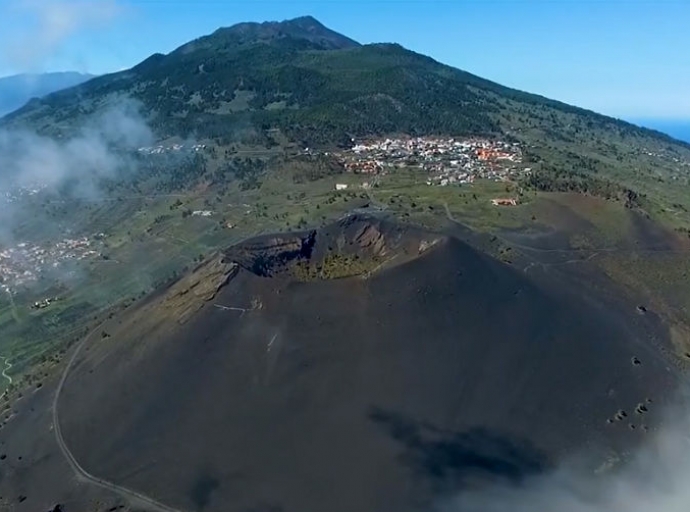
300,76
16,90
319,88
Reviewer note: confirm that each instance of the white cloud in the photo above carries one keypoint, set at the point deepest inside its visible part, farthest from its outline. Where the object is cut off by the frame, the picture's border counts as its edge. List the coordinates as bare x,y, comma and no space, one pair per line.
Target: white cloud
655,479
42,27
76,164
97,151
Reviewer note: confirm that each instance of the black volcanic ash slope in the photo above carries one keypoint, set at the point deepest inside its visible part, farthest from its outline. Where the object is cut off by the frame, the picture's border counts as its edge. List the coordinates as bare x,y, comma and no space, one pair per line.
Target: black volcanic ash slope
438,371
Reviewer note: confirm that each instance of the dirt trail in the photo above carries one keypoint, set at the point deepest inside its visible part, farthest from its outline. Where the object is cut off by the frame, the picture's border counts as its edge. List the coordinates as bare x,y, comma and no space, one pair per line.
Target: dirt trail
529,252
135,498
8,365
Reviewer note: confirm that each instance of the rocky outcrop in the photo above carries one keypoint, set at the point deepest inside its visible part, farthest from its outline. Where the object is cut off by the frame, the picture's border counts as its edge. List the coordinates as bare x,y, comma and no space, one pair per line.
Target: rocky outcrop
356,244
630,198
189,294
369,237
267,256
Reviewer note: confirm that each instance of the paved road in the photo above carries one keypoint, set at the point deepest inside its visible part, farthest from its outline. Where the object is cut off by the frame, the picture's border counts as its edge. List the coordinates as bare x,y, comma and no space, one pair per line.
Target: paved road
133,497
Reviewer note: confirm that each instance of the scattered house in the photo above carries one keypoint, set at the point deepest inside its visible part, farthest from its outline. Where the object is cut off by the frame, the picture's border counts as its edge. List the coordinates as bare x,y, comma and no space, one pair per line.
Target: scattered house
340,186
42,304
202,213
160,149
24,263
508,201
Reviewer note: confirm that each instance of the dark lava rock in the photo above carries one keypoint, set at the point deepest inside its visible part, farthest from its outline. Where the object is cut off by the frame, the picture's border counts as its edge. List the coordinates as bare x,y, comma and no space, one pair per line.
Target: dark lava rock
356,235
621,415
266,256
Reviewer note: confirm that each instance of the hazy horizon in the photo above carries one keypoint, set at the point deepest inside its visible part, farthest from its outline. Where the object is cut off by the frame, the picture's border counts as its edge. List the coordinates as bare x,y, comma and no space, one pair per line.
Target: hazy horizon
676,128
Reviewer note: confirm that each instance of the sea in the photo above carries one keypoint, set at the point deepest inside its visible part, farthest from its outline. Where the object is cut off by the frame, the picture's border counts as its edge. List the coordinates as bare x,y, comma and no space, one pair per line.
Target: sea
677,129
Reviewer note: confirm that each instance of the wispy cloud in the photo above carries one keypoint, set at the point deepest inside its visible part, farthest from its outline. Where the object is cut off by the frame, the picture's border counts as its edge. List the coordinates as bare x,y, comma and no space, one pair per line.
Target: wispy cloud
654,479
97,150
40,28
75,165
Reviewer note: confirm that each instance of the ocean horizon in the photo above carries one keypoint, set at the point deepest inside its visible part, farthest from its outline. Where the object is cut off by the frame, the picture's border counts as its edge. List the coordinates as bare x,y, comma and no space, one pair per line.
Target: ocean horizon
678,129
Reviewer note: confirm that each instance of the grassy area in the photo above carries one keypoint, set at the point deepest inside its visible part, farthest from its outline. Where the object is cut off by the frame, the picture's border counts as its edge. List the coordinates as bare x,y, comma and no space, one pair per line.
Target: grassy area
406,193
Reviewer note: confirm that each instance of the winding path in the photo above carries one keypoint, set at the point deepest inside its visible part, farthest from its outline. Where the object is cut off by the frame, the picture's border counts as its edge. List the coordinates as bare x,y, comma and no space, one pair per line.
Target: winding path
529,251
381,206
522,248
134,497
8,365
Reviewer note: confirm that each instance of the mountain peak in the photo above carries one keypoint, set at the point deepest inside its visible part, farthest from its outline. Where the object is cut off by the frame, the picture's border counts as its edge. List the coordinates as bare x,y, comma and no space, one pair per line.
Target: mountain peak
305,22
305,29
309,25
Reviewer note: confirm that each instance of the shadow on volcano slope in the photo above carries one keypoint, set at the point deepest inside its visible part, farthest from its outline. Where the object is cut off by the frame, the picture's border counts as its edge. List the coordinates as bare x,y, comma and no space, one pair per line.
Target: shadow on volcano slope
365,366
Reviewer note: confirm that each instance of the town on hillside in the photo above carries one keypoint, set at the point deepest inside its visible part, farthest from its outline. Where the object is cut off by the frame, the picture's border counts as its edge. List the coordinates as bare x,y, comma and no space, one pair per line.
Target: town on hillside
172,148
446,161
24,263
17,193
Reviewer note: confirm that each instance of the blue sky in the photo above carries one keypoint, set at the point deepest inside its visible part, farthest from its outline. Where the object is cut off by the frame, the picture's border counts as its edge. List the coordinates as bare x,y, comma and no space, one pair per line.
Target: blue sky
627,58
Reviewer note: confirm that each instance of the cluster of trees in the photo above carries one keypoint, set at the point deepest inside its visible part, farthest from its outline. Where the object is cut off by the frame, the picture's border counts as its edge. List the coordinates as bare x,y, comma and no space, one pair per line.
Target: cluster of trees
307,168
162,174
552,179
324,95
248,171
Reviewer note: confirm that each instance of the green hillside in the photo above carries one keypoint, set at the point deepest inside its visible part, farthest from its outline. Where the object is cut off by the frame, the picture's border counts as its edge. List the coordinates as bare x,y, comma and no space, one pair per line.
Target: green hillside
318,88
311,82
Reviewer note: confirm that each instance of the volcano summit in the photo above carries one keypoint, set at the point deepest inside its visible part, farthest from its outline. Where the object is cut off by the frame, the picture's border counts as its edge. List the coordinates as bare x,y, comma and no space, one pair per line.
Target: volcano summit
364,365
